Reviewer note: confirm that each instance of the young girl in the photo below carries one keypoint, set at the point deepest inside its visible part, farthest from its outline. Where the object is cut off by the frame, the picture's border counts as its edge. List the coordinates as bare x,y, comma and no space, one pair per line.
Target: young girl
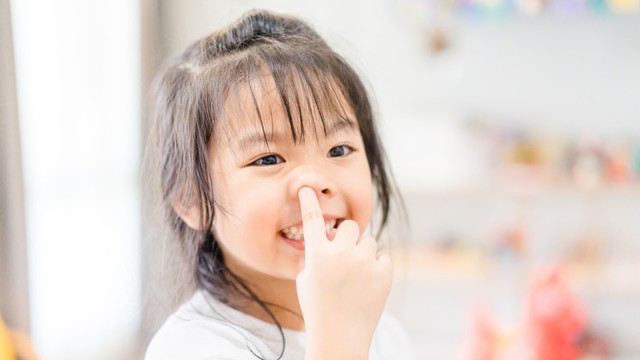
270,168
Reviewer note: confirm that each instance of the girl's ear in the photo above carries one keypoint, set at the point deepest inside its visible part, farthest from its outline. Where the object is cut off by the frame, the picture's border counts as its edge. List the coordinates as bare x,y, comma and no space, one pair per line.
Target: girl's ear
189,214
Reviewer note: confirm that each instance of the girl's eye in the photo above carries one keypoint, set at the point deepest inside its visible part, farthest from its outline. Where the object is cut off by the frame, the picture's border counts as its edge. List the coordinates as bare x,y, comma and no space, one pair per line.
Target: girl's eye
268,160
340,151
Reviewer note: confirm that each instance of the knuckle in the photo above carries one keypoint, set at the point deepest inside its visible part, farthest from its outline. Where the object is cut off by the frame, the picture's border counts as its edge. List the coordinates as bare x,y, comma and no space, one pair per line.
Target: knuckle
339,251
311,215
351,226
349,223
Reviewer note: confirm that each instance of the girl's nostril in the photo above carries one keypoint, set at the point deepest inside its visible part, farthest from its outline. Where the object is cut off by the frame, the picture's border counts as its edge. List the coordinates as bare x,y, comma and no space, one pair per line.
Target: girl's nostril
325,191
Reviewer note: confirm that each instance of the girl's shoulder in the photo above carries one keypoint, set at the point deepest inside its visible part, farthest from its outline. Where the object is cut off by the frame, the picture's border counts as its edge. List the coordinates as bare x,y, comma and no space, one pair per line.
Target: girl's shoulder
204,328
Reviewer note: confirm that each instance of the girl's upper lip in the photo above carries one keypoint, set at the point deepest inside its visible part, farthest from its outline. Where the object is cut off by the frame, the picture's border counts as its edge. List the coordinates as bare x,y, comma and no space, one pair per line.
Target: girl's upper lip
325,217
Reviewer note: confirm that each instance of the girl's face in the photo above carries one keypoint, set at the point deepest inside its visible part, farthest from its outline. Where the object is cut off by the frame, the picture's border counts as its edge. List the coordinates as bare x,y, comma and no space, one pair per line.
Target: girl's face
257,169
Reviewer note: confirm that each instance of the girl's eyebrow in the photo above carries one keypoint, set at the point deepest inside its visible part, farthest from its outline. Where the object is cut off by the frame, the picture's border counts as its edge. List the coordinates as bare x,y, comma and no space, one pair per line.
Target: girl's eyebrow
256,139
345,124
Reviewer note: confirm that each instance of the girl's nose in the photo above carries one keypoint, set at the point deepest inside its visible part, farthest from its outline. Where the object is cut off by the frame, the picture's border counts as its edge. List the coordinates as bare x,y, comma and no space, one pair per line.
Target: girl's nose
313,178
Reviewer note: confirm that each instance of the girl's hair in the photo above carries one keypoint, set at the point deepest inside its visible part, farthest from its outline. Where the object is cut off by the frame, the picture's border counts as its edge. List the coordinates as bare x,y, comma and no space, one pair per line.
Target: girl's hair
190,94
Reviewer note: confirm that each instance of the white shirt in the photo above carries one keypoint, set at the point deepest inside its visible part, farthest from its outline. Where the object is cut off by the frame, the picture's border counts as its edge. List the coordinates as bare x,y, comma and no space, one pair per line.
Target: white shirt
204,328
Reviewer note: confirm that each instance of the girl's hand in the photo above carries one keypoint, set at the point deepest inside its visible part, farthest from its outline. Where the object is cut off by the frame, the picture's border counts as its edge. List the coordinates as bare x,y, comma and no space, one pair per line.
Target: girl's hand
343,287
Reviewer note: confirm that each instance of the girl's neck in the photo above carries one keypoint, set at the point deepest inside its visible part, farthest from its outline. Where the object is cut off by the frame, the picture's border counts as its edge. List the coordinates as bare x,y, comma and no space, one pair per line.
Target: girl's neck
280,296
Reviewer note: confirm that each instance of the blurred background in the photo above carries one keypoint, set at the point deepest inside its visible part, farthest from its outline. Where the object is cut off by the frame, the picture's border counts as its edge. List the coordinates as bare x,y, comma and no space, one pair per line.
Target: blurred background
512,126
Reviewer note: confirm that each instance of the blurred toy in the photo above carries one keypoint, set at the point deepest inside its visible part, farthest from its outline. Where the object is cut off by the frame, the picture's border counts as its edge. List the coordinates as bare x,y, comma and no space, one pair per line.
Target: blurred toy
594,346
480,342
555,319
511,240
588,248
588,165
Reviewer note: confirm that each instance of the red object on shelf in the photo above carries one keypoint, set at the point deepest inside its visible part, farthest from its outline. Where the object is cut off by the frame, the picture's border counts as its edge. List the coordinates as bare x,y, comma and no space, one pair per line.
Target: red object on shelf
555,318
481,338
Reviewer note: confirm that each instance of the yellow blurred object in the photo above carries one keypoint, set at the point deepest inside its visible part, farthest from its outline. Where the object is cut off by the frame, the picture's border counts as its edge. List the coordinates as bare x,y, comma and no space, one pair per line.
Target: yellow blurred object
22,346
6,348
624,6
15,345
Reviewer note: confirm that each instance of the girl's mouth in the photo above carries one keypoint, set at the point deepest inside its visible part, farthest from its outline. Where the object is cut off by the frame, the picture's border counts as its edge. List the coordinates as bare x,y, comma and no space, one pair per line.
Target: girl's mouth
297,232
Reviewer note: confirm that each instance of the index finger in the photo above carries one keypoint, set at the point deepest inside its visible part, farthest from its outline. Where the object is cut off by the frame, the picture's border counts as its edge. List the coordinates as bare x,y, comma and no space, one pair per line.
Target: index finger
312,220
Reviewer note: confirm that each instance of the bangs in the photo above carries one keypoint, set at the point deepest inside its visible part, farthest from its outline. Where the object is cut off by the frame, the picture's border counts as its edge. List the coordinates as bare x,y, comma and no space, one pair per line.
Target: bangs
295,85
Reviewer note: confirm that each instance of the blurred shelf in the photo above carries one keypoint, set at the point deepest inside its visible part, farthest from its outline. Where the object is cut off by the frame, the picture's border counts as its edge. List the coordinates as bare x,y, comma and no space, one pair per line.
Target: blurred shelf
526,191
432,267
612,279
420,264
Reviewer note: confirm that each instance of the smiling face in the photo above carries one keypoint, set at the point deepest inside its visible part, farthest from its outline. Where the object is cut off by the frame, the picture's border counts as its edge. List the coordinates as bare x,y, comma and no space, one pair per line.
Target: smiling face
257,169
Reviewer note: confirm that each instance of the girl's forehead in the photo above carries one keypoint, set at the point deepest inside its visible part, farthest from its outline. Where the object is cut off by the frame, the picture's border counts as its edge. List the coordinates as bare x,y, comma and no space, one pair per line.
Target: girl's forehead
252,105
260,106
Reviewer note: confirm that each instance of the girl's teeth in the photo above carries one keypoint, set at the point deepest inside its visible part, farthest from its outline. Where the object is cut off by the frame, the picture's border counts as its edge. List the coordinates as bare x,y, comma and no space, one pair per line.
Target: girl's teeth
327,227
297,233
